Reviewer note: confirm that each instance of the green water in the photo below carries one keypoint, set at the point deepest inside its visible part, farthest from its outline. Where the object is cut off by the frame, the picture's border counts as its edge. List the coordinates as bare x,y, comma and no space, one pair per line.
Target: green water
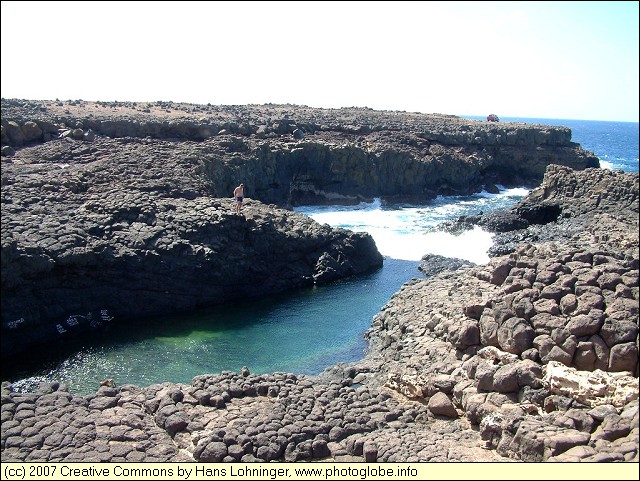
302,332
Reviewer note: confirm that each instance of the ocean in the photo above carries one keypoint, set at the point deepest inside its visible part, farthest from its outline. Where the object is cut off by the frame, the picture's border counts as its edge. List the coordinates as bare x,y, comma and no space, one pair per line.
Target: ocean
306,331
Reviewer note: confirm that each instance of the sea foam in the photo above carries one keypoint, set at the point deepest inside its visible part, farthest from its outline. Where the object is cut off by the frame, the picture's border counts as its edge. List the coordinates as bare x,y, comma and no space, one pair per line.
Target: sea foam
408,232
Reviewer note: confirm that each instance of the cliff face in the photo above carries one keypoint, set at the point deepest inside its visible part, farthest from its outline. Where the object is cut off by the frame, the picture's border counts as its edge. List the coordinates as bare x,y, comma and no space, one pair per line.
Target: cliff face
117,229
293,155
123,210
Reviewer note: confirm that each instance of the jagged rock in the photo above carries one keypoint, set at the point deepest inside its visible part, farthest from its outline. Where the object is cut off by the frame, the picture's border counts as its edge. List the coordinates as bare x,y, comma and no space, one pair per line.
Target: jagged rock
408,385
432,264
179,253
390,154
591,388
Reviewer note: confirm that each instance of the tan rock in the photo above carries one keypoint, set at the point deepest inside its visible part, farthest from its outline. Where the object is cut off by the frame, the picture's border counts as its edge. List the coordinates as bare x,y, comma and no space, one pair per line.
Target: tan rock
591,388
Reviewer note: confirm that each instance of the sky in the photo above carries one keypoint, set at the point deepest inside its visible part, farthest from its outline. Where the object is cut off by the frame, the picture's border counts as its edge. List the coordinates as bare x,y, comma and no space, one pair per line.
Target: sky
550,60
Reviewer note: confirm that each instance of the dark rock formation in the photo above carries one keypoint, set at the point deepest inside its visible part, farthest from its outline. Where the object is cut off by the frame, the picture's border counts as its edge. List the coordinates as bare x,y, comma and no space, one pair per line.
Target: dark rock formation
458,362
432,264
478,357
564,204
123,228
115,211
292,155
81,259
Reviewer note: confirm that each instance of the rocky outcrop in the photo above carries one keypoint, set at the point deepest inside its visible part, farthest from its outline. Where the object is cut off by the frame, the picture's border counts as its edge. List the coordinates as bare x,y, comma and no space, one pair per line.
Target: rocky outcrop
474,363
122,256
119,229
559,207
539,348
432,264
117,211
461,365
292,155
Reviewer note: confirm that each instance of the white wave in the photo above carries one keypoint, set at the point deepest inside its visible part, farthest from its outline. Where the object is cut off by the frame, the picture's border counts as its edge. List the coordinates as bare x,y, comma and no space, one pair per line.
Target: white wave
471,245
513,192
504,192
605,164
374,205
408,232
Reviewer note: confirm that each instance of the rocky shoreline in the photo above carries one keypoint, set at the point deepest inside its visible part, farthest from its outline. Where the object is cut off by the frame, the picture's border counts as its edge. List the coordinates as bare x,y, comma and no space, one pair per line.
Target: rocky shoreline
117,211
293,155
532,357
539,348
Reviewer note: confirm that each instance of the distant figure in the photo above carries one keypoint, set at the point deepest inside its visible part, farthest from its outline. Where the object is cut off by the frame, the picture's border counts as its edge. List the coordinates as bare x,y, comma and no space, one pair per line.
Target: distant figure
238,193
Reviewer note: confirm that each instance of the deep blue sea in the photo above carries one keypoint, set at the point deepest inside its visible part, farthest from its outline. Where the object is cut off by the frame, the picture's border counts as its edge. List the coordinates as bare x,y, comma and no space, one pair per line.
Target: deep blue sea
309,330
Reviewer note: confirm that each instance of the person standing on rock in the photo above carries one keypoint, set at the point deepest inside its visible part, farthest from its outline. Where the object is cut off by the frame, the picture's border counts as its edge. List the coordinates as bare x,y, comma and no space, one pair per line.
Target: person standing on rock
238,193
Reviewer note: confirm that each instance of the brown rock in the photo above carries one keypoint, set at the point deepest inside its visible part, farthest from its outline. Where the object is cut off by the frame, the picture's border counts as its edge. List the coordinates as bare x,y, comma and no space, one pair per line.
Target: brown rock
440,405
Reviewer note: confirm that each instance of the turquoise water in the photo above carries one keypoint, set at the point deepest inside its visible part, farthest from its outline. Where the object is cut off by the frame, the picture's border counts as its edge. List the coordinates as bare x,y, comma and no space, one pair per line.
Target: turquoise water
306,331
302,332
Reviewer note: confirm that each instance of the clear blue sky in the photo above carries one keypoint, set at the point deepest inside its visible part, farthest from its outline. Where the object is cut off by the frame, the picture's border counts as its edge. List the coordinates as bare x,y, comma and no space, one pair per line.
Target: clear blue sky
564,60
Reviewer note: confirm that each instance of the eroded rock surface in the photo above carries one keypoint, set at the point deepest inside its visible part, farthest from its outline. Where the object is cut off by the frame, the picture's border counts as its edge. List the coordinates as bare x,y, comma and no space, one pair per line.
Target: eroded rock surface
539,348
460,365
292,155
